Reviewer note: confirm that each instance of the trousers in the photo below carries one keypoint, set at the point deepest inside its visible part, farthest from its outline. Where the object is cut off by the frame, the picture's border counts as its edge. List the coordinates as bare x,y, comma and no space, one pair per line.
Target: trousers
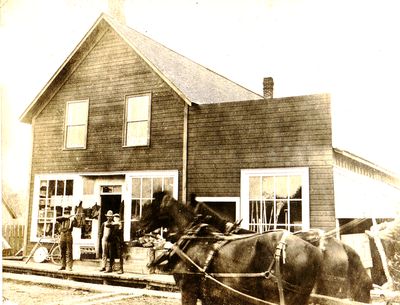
66,249
107,254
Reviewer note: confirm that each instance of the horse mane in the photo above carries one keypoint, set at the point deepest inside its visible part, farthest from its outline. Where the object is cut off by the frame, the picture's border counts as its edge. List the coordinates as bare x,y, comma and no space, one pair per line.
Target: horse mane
164,203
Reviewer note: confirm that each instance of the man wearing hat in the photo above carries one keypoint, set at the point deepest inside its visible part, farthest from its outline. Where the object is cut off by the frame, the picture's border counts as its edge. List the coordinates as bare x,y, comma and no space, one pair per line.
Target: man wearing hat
106,237
67,222
118,242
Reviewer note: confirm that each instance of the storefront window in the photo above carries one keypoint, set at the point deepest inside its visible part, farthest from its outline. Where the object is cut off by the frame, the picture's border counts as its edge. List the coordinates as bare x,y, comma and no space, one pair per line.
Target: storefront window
276,199
55,198
142,188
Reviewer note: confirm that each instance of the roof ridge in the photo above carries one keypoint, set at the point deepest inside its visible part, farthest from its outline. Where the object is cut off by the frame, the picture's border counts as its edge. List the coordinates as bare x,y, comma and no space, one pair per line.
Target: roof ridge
148,38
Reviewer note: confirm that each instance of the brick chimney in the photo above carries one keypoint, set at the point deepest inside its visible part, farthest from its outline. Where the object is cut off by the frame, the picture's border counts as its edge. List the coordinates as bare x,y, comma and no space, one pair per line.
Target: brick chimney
268,86
116,9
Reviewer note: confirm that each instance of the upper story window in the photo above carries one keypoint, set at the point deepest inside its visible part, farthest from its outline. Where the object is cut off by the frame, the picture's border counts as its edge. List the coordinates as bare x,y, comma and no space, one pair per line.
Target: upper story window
137,120
275,199
76,124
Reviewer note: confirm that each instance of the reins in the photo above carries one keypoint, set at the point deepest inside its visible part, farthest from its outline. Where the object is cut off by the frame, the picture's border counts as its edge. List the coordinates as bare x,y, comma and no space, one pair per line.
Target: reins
280,251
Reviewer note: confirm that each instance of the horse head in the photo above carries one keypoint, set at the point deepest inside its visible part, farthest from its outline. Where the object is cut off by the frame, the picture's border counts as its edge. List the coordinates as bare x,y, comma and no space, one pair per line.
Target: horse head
165,211
152,214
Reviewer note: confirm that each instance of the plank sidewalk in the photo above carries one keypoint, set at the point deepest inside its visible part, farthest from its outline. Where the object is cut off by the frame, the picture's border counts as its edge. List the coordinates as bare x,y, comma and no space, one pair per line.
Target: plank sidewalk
88,271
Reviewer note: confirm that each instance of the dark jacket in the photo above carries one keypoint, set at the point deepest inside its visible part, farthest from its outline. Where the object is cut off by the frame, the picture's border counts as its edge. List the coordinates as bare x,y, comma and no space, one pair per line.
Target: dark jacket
66,224
112,237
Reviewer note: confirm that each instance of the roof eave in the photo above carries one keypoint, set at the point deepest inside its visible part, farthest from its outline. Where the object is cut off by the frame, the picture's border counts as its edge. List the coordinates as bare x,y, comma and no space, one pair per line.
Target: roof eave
28,115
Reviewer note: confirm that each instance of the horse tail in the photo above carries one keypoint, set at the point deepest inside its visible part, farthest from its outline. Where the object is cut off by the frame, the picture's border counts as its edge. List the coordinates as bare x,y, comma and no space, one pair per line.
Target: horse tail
359,281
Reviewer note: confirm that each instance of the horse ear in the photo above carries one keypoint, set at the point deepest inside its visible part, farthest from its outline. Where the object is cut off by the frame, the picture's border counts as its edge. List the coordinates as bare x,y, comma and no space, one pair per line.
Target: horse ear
166,200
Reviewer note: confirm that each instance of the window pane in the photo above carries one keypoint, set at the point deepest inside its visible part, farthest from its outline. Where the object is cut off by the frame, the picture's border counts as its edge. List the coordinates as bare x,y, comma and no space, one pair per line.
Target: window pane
135,187
254,188
135,214
77,113
169,184
295,187
157,184
52,188
50,212
43,188
147,194
281,187
76,136
138,108
268,187
137,133
295,214
69,188
281,216
60,187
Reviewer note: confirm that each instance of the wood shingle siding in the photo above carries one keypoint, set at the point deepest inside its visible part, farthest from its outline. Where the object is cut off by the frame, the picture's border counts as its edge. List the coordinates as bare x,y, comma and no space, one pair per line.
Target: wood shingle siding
275,133
107,74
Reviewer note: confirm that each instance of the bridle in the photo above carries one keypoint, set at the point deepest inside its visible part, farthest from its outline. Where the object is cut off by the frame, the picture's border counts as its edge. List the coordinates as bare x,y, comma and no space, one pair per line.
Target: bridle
219,242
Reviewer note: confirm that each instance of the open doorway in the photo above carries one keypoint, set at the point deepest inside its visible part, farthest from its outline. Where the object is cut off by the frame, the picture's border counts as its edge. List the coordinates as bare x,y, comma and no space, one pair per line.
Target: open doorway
108,202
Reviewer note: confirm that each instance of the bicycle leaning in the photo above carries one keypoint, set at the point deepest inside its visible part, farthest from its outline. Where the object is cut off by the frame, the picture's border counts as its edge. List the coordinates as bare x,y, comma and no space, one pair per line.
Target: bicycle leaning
41,252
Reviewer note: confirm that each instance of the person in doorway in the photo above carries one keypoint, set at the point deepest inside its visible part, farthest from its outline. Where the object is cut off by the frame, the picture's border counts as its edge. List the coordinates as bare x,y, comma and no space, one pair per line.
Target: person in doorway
118,242
107,242
67,222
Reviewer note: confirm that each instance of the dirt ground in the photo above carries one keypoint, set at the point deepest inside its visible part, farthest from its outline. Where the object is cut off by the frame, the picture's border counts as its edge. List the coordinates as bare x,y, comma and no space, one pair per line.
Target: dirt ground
19,293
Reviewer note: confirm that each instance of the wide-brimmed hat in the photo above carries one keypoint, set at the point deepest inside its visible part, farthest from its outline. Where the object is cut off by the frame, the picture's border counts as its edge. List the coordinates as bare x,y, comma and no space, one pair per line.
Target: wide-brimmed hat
116,215
110,213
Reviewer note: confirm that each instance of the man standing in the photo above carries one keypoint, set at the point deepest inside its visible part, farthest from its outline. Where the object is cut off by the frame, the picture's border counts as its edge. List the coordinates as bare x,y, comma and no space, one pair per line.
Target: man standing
67,222
119,242
106,237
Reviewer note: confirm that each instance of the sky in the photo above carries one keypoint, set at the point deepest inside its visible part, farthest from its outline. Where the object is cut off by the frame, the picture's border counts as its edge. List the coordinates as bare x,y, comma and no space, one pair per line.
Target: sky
347,48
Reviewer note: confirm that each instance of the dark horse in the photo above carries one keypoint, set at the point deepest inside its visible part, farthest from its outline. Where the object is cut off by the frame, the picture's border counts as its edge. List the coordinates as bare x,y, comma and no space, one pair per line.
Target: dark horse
235,270
342,273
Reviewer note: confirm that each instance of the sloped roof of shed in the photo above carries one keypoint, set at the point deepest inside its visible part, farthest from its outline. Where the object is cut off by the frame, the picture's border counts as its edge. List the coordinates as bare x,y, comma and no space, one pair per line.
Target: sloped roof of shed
191,81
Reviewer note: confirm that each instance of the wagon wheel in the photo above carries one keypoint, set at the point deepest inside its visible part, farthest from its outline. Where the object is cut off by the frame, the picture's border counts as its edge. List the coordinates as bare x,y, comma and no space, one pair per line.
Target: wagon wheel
40,255
55,255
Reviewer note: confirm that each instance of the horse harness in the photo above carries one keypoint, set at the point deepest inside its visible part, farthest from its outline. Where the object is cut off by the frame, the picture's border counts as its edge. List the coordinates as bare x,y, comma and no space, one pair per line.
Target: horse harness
219,242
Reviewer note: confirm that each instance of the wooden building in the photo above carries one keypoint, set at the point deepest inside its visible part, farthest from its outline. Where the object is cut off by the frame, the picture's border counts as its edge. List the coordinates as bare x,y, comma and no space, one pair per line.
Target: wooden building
124,116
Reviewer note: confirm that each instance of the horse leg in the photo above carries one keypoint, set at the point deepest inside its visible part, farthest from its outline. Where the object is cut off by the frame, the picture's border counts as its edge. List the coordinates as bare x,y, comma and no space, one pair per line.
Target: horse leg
188,297
360,282
189,287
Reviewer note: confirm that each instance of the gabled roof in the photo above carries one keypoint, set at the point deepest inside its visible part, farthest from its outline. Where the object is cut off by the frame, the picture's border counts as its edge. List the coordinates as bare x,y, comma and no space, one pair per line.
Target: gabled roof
191,81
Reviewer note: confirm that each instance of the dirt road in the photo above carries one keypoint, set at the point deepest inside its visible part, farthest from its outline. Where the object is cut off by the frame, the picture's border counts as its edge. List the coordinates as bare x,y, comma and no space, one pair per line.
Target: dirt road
23,293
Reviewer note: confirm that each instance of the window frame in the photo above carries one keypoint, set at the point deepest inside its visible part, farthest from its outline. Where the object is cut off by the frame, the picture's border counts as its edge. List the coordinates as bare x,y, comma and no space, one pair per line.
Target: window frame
36,200
174,174
275,172
125,125
66,125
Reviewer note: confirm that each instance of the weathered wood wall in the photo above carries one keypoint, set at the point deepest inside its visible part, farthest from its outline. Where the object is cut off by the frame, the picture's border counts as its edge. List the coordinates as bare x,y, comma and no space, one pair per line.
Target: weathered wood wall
276,133
109,72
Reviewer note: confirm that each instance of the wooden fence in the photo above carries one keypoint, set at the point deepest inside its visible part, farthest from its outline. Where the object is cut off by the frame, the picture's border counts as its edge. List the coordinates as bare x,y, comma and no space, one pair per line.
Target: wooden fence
14,235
